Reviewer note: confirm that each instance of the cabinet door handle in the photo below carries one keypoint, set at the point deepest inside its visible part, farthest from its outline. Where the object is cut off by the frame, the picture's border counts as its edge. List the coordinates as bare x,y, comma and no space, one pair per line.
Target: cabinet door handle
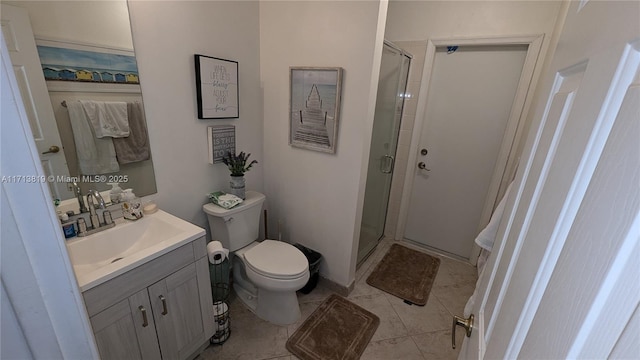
164,305
145,322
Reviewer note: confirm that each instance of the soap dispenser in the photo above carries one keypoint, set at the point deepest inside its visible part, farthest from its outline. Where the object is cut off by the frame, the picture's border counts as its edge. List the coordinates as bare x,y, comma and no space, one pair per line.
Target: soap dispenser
116,193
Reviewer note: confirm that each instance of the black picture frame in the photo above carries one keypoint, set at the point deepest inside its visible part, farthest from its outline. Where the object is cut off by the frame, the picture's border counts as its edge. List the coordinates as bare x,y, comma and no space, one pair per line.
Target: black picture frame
217,87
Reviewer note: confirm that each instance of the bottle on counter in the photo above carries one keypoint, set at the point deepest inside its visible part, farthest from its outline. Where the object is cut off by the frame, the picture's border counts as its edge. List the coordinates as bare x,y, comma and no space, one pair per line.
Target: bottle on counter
116,193
68,228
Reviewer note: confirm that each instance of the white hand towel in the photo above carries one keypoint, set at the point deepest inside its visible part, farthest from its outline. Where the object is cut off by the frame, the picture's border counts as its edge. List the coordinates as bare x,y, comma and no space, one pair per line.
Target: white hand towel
487,236
108,118
95,156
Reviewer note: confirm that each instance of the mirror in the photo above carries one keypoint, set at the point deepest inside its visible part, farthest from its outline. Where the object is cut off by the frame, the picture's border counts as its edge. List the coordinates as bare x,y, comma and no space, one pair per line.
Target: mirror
95,28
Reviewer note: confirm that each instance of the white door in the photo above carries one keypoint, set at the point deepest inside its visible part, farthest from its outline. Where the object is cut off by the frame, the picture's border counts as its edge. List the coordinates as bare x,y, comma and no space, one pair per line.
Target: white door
471,93
16,28
39,287
562,281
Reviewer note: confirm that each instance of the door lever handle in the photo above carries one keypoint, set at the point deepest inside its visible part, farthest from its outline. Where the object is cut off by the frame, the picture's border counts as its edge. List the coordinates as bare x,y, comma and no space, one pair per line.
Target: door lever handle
52,150
465,323
423,166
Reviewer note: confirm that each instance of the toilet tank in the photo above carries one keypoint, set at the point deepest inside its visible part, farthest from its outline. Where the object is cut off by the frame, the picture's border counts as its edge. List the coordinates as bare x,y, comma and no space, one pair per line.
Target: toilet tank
239,226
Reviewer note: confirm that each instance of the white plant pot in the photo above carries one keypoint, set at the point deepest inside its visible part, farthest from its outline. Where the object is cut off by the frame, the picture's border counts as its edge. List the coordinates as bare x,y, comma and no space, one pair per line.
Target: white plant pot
237,185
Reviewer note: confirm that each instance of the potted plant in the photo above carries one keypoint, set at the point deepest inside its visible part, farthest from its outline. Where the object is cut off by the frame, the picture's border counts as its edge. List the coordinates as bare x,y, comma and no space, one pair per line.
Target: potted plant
237,164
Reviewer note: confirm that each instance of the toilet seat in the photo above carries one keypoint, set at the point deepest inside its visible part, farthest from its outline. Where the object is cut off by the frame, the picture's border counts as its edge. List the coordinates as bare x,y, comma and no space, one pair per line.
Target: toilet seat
276,260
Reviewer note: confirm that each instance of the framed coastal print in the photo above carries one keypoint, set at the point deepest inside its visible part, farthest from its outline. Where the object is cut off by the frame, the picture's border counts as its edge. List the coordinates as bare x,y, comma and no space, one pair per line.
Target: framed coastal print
314,107
217,87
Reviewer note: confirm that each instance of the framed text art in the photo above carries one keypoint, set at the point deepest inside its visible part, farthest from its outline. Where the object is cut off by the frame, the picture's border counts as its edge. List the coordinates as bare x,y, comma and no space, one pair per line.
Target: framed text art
217,87
314,107
221,139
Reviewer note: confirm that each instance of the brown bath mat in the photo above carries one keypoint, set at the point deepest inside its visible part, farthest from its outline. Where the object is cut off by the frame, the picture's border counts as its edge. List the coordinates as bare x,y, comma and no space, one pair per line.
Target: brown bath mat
338,329
405,273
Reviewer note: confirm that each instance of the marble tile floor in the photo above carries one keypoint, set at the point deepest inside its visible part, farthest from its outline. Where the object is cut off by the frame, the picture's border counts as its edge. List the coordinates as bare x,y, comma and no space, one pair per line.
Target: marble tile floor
405,331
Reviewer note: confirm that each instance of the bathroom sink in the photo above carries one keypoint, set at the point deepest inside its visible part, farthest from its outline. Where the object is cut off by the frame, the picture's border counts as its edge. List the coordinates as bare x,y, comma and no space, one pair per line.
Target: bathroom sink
102,256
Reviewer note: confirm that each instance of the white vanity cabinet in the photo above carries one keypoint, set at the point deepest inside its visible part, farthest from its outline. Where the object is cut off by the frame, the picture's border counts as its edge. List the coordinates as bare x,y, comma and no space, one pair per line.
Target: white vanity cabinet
122,333
160,309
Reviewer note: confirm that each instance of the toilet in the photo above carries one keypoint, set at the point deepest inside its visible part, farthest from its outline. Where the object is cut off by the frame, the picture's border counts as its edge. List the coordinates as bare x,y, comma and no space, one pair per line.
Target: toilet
267,274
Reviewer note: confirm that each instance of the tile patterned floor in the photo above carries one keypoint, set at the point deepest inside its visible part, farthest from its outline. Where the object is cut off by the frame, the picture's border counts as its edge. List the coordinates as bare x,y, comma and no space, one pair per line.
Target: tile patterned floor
405,332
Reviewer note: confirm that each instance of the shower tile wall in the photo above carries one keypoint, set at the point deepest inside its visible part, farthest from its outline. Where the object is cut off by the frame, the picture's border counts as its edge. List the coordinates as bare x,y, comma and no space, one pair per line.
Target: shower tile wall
418,50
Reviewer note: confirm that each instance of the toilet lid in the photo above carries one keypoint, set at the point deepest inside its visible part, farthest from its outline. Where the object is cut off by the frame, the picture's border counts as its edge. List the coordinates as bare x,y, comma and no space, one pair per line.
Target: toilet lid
277,259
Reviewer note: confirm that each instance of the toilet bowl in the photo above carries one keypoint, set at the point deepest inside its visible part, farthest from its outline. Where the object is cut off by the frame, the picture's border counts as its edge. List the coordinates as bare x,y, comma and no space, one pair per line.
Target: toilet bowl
266,274
276,273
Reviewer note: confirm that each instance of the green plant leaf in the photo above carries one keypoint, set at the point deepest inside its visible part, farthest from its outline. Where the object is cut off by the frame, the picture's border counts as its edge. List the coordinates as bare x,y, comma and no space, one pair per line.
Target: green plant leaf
237,164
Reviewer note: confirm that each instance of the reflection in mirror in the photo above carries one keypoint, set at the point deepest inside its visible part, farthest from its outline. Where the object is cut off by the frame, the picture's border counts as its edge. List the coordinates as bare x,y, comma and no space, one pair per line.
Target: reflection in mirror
99,34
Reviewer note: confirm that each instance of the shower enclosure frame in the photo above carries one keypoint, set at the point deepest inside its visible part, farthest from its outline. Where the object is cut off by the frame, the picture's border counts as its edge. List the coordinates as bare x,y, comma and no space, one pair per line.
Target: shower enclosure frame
386,127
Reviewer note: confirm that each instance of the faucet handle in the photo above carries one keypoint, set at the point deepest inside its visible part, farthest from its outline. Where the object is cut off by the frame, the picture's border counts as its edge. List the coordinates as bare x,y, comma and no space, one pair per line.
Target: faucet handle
78,194
82,226
108,220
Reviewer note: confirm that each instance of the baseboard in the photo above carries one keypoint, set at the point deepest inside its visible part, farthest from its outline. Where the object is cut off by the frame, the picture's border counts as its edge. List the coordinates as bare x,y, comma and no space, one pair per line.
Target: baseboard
199,351
335,287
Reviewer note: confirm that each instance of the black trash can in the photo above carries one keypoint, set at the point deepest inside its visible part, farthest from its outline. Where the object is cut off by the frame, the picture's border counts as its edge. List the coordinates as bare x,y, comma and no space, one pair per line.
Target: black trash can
314,258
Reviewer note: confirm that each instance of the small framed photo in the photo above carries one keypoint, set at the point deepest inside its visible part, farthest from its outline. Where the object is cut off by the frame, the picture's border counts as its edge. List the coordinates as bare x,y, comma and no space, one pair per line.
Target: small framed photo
221,140
314,107
217,87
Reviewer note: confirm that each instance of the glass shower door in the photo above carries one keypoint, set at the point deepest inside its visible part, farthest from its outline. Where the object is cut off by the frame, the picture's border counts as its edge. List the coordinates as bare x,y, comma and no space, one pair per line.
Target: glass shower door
392,84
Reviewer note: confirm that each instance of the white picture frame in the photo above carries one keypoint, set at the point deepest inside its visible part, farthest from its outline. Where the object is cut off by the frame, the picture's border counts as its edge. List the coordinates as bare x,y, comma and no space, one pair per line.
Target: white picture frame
314,107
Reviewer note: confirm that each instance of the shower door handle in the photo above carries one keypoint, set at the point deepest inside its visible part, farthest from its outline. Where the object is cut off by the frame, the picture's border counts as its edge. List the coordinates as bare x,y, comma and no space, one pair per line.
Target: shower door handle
390,161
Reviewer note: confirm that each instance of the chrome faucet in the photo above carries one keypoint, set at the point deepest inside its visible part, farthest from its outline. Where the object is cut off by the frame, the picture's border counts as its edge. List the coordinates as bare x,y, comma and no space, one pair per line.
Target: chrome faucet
78,194
94,202
93,216
94,194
